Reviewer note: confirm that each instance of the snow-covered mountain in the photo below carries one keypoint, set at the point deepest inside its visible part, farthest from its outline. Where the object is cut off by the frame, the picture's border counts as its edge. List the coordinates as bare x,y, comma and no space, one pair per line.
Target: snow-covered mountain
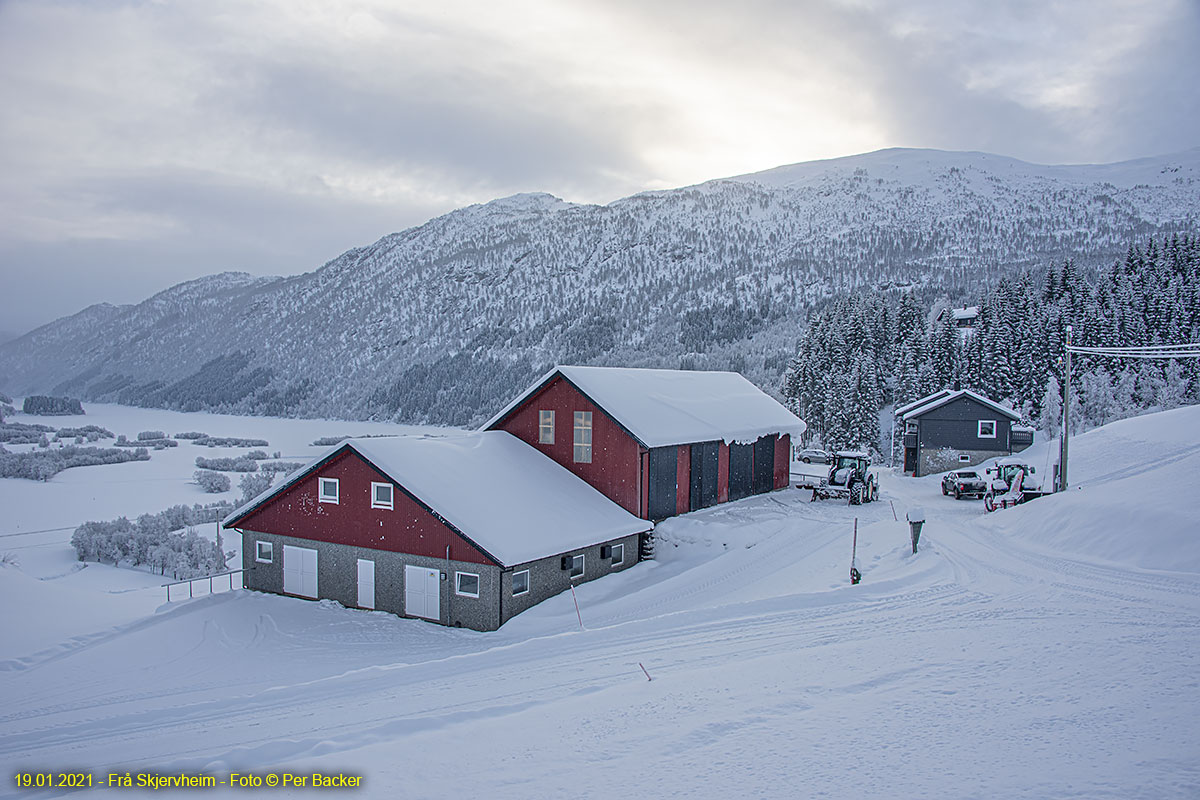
443,321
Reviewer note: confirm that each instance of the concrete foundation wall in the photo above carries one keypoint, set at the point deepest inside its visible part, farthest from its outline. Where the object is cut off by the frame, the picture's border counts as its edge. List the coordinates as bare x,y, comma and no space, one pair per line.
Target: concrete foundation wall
547,577
947,458
337,577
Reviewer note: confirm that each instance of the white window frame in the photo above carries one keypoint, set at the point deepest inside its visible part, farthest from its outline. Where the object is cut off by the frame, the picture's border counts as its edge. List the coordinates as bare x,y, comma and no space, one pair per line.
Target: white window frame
524,572
582,562
995,426
614,549
546,426
376,503
325,497
583,437
964,459
458,590
258,552
910,427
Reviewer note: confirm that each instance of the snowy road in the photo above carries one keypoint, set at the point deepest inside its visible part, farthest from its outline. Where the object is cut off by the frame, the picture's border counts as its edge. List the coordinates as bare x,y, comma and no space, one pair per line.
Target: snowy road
1001,661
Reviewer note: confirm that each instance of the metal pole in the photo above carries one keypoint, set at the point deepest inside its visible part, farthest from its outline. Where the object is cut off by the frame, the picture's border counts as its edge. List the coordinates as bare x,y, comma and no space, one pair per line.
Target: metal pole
1066,431
892,457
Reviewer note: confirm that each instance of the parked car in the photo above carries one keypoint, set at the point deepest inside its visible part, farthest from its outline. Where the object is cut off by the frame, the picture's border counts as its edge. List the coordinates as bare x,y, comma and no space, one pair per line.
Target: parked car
964,483
813,456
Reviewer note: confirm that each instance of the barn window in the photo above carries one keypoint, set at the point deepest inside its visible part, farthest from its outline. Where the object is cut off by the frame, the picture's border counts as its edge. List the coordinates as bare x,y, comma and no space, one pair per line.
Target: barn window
328,491
264,552
381,495
576,566
618,554
987,429
466,584
546,427
583,437
521,582
965,459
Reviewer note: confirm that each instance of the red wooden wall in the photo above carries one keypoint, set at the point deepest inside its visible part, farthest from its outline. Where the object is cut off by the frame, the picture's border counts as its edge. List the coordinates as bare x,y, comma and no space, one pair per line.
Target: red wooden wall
614,470
683,479
407,528
723,473
783,460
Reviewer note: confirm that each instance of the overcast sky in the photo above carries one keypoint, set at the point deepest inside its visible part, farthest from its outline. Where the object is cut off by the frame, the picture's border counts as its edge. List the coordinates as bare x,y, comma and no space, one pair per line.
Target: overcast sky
147,143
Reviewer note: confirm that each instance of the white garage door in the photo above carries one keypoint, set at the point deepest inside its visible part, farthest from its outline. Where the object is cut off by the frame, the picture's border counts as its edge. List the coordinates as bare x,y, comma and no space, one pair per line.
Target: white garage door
422,592
300,571
366,583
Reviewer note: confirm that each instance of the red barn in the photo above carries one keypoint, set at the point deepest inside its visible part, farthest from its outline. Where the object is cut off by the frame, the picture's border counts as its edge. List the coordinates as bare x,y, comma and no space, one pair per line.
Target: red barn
657,442
464,529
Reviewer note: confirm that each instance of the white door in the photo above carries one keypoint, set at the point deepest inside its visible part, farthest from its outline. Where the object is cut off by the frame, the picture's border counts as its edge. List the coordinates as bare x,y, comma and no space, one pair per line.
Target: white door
300,571
422,592
366,583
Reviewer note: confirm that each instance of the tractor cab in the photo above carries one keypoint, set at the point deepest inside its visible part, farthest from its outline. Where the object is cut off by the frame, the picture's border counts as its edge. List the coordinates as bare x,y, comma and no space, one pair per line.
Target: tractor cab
848,465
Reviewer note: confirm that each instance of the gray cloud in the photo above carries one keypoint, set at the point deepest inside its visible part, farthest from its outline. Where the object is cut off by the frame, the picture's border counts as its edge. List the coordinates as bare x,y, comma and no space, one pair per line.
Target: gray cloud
149,143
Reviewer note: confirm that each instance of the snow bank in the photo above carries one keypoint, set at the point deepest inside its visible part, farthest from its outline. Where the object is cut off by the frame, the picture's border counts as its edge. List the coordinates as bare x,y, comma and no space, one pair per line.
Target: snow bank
1131,500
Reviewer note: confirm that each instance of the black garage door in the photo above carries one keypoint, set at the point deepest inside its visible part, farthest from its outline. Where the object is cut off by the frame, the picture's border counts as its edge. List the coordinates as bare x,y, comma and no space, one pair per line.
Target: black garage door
741,470
704,475
764,464
664,471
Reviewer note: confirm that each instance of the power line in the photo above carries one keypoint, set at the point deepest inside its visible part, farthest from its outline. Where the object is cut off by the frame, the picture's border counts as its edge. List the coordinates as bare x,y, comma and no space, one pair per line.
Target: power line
1161,351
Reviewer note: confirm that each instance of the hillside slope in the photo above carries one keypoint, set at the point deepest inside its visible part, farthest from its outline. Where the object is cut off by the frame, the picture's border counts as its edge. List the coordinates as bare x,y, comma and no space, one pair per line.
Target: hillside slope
1017,655
444,321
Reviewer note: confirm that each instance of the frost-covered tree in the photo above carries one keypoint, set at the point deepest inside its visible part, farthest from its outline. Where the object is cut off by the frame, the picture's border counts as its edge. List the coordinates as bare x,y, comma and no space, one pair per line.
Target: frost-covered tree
212,482
1051,418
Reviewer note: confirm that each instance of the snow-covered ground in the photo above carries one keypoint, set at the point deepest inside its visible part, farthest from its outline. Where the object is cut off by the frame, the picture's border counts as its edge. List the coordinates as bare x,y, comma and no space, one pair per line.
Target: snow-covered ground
1045,651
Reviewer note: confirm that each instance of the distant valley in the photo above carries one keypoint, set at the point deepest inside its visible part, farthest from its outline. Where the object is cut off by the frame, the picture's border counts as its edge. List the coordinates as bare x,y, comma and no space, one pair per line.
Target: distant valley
445,321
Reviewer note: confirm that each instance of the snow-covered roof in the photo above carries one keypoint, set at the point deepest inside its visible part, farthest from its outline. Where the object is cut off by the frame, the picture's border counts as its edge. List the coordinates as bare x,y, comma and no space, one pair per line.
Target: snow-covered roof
966,312
503,495
662,407
936,401
904,409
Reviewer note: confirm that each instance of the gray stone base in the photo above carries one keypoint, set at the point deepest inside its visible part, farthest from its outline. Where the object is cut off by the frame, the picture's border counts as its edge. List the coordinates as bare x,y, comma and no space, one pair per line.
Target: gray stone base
337,578
947,458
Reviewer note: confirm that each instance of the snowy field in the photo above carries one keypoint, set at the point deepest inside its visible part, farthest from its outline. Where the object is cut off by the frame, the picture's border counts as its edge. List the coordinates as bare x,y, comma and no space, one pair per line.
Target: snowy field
1046,651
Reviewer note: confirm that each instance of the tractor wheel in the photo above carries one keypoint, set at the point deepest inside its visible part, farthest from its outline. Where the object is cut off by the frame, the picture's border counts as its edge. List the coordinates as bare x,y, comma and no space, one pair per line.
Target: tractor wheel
989,502
856,494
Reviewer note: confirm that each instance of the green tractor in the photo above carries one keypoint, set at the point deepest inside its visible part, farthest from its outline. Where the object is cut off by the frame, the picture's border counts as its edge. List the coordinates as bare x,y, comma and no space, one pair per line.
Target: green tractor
849,476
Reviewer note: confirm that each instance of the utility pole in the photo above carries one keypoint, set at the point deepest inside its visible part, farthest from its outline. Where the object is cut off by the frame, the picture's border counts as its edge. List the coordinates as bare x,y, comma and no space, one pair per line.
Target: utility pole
1066,427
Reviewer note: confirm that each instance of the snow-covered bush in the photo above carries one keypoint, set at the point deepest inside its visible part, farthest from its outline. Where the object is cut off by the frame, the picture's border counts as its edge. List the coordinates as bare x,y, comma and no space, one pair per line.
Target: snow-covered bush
191,435
41,465
145,435
157,540
227,464
230,441
212,482
283,467
257,455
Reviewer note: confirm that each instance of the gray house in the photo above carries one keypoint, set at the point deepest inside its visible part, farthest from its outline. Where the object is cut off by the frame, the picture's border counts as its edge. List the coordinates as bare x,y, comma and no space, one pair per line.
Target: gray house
465,529
951,429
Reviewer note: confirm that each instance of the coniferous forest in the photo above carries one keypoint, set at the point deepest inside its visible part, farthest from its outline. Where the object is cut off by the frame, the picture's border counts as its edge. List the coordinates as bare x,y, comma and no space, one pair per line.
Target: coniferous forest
866,353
